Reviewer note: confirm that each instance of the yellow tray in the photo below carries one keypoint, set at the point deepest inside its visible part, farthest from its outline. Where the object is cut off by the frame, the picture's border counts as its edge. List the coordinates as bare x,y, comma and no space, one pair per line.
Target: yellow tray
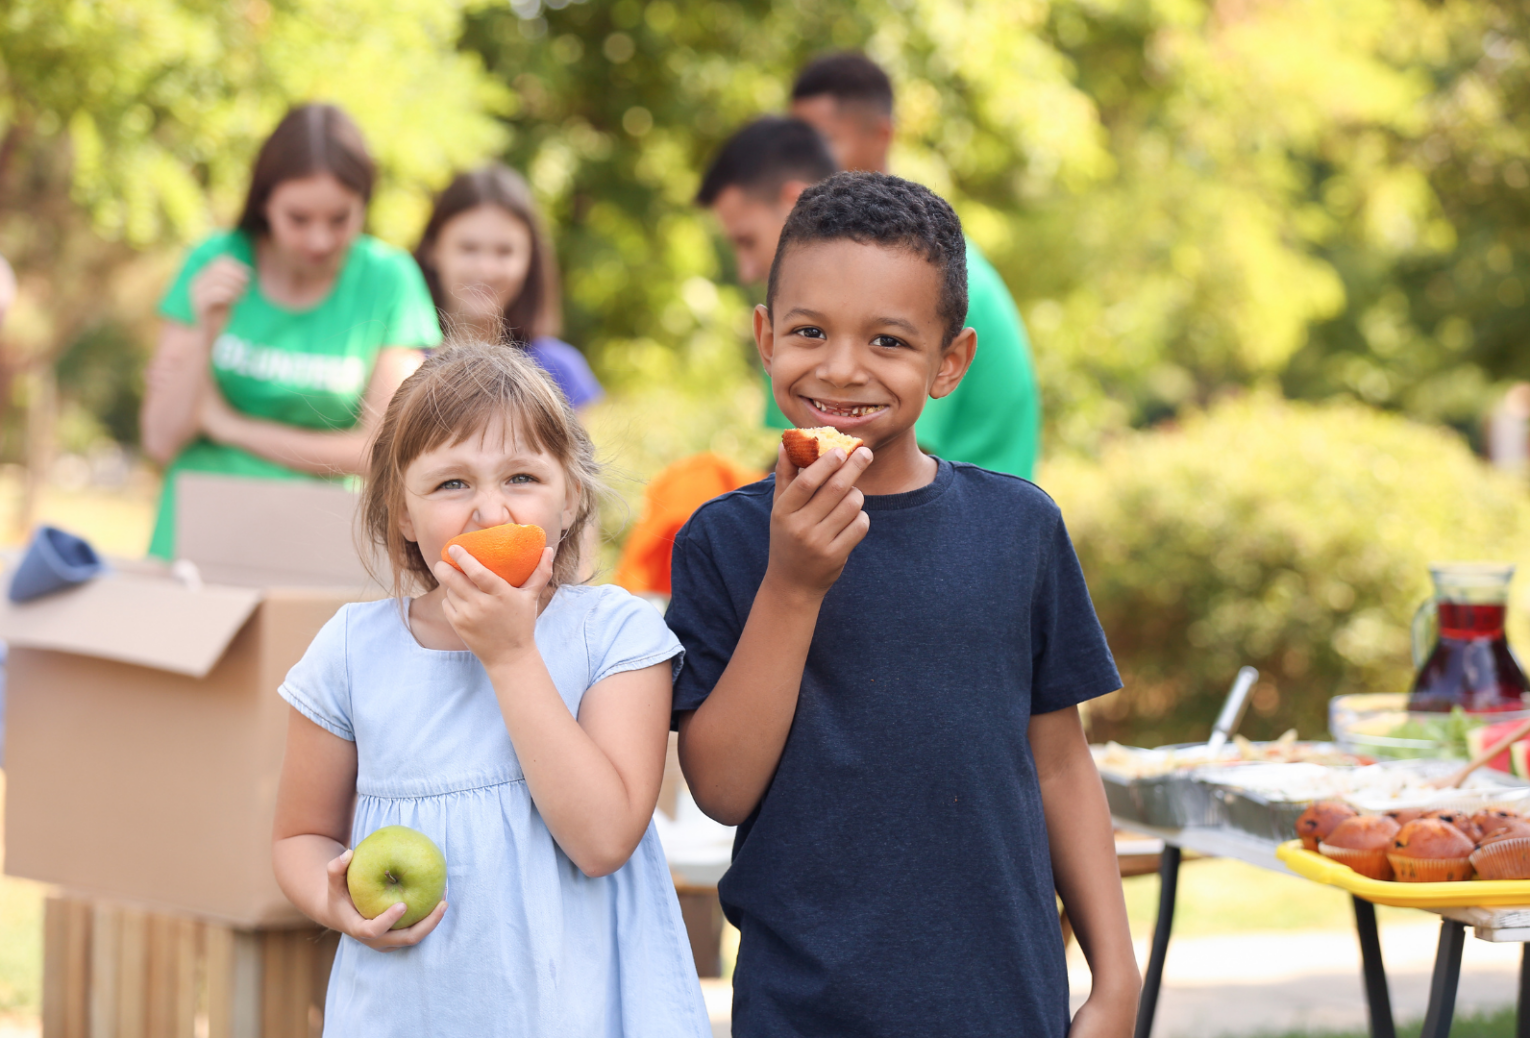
1473,893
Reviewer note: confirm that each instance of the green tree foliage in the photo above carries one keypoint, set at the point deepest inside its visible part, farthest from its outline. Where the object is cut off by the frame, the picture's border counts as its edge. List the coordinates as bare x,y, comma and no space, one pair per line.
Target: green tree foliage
1293,537
126,131
1181,195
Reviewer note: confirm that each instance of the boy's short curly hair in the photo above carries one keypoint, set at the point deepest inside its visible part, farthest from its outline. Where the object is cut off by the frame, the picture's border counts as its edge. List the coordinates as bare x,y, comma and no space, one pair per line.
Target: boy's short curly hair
878,209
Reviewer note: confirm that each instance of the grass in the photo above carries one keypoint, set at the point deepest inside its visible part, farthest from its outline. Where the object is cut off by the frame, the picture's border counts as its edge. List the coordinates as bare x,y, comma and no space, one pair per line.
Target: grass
1499,1024
1221,896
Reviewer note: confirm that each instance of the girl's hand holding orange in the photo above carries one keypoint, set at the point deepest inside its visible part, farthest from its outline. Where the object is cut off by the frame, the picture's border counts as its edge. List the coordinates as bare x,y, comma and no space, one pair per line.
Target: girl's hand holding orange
376,934
492,616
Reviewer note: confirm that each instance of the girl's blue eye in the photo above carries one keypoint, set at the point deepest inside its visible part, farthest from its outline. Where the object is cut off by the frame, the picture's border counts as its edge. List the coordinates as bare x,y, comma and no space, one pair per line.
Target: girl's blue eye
522,477
452,484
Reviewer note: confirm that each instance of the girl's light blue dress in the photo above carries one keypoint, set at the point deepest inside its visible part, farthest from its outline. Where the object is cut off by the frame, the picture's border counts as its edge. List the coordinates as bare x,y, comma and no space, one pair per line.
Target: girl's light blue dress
529,945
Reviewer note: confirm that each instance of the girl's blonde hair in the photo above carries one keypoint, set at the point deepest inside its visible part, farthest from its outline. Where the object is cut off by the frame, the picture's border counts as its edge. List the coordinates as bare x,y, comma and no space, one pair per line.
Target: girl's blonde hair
460,391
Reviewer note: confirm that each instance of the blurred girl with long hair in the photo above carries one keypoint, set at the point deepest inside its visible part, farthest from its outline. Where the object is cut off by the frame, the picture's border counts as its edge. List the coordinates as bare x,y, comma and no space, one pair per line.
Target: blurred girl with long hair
492,272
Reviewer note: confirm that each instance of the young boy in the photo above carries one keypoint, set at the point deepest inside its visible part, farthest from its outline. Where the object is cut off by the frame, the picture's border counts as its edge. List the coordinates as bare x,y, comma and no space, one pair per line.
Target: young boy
884,657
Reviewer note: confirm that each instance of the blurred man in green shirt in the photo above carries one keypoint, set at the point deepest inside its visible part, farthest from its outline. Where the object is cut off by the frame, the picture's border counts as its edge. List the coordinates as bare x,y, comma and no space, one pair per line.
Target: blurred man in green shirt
993,418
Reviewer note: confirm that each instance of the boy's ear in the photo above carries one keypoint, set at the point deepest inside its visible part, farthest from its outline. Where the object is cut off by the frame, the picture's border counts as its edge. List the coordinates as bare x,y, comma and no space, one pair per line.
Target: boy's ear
764,335
955,359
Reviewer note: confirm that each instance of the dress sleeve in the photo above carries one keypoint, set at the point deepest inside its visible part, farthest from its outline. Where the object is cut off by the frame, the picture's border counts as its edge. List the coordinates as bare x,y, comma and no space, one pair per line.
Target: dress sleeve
412,321
319,686
625,633
702,615
1070,661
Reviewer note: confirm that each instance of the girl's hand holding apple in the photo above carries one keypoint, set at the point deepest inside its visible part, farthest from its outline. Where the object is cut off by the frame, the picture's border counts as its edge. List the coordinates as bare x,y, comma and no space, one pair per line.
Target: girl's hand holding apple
495,619
377,934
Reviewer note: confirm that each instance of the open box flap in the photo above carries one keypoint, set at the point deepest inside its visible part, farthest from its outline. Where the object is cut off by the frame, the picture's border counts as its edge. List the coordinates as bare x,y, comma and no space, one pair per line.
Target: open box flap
268,532
144,618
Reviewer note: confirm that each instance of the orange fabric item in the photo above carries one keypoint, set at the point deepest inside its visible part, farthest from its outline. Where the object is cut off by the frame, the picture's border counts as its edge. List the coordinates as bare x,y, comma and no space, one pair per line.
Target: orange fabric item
671,497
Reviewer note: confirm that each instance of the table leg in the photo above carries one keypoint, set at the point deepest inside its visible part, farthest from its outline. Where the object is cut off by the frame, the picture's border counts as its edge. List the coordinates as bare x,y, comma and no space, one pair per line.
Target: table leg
1168,889
1378,999
1447,974
1522,1015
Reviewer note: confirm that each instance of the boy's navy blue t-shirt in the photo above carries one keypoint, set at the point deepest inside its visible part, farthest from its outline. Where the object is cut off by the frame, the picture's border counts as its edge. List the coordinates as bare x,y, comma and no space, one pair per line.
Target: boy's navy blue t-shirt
895,879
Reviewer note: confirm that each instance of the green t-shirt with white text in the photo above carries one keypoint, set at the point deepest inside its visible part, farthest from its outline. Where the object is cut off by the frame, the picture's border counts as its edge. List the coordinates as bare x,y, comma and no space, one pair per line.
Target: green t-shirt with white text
993,418
305,368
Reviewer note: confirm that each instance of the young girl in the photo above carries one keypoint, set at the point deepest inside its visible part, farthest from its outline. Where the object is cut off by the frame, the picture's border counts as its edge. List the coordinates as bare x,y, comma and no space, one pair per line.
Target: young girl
521,729
491,271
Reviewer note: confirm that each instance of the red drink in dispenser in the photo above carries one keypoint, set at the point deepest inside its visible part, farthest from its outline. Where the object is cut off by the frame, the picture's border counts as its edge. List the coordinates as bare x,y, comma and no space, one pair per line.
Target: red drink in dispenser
1470,664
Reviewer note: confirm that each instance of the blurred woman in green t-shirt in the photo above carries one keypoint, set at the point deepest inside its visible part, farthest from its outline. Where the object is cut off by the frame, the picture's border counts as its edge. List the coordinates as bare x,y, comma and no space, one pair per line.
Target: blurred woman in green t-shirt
285,337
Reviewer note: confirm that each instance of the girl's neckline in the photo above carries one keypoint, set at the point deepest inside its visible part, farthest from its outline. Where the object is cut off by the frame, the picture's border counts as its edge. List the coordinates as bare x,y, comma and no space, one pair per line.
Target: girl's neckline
253,246
402,617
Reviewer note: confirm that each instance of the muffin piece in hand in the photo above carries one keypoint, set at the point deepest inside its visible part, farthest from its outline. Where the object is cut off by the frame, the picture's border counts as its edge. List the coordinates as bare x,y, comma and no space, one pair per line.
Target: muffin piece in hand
805,446
1319,820
1362,843
1431,850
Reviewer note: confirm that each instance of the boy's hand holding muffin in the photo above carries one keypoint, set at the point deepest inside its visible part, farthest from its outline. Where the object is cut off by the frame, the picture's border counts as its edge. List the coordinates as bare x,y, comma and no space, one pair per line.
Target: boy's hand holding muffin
816,518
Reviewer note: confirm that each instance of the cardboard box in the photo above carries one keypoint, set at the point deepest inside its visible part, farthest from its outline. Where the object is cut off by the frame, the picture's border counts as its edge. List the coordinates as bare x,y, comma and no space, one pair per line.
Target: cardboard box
144,735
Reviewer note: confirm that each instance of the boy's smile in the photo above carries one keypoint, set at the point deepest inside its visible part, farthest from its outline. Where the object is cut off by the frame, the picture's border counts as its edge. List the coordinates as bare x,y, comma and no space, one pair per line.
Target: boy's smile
854,340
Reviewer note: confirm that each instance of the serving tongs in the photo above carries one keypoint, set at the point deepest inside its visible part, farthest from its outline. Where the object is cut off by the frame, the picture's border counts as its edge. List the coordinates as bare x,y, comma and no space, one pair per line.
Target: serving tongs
1232,710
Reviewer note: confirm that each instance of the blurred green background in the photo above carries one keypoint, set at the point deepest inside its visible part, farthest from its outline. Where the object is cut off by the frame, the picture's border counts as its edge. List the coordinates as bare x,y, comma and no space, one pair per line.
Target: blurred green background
1273,258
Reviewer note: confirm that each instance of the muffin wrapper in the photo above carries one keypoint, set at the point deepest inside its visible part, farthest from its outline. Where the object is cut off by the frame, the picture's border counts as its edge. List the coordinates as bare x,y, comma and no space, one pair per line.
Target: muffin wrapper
1372,864
1430,870
1504,859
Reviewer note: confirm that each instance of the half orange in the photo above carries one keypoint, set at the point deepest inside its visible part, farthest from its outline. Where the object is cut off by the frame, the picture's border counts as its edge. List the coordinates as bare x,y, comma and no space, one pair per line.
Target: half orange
511,550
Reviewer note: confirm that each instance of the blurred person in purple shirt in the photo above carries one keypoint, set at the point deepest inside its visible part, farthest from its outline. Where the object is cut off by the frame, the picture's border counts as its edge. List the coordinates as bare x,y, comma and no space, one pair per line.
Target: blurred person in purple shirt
491,269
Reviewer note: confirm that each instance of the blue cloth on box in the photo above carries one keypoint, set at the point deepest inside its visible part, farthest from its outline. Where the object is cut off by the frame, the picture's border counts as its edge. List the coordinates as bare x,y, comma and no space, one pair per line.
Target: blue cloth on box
53,561
895,878
529,945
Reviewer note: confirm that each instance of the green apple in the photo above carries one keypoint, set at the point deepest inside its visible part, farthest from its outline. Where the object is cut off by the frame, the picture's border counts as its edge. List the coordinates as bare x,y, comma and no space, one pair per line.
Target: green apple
397,863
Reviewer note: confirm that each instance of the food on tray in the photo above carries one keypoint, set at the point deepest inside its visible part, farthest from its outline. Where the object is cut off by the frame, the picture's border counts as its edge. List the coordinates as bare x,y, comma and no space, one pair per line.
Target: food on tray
1362,843
1439,846
1511,828
1509,761
511,550
1461,820
1306,783
1132,762
1449,732
1431,850
1319,820
805,446
1287,750
1503,859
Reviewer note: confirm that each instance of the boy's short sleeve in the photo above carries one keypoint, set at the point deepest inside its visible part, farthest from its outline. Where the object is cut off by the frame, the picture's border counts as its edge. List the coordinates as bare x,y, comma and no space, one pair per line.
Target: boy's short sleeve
1071,662
319,685
702,615
625,633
